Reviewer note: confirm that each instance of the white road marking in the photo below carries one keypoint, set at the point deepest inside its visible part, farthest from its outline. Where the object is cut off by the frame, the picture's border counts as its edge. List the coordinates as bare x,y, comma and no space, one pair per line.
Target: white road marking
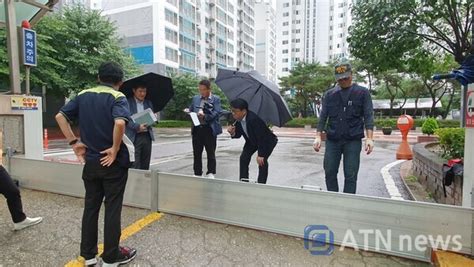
389,182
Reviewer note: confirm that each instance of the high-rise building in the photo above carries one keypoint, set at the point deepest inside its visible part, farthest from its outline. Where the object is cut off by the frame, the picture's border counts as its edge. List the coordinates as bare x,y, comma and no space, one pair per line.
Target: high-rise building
92,4
186,36
311,31
265,39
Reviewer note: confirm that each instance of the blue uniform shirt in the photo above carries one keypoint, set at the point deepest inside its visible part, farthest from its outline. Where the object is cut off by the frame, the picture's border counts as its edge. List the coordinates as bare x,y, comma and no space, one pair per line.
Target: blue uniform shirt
96,110
345,112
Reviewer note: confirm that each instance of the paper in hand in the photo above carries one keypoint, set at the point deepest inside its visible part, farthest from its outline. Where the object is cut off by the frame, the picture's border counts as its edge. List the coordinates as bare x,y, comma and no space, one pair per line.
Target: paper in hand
195,118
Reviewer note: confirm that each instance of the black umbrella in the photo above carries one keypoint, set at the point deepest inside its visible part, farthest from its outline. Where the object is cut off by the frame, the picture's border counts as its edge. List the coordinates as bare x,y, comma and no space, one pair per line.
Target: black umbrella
464,74
159,88
262,95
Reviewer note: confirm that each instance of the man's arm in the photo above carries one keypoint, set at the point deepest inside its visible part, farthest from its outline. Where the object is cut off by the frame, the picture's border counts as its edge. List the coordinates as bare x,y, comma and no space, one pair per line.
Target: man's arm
111,153
369,123
323,117
215,112
65,127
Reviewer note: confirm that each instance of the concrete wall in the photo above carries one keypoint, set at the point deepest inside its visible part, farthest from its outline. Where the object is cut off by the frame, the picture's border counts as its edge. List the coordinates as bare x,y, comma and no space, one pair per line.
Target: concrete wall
428,166
12,126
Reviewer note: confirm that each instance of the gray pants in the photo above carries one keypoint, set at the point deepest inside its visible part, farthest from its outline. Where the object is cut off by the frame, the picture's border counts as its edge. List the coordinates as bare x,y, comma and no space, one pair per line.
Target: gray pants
142,151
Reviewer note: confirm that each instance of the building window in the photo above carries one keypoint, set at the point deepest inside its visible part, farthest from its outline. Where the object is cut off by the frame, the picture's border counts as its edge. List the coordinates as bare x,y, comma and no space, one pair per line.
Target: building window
285,42
171,54
338,45
330,47
230,8
173,2
285,60
171,17
286,23
286,14
296,31
296,12
341,15
285,32
286,5
284,69
285,51
340,5
171,35
297,40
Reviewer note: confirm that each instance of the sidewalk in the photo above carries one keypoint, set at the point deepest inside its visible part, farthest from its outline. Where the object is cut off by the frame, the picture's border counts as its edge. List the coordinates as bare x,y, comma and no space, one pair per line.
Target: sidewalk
162,240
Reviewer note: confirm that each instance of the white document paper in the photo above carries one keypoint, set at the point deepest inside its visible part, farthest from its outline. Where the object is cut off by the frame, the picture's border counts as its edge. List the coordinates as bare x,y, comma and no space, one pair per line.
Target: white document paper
195,119
130,147
145,117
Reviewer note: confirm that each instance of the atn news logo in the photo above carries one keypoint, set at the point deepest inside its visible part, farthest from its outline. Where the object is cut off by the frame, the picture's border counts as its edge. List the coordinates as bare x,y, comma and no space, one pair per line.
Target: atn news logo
319,240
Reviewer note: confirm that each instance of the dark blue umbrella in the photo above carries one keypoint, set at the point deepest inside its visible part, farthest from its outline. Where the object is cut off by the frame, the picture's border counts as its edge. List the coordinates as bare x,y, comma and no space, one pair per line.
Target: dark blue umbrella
262,95
159,88
464,74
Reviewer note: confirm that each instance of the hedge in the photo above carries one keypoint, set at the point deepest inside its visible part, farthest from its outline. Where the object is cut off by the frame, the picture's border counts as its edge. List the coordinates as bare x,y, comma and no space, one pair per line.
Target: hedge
451,141
173,124
301,122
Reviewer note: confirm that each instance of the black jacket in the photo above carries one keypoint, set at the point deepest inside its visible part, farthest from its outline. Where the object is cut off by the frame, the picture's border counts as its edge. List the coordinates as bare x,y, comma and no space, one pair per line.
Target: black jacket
260,135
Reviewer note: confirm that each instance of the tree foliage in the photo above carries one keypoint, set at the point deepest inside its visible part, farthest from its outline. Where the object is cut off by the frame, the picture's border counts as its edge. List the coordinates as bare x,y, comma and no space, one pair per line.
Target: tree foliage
71,46
309,82
185,87
389,34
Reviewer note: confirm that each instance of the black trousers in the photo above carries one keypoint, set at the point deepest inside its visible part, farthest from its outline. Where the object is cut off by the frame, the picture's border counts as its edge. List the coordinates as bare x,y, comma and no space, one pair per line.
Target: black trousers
245,158
142,151
12,194
109,183
203,138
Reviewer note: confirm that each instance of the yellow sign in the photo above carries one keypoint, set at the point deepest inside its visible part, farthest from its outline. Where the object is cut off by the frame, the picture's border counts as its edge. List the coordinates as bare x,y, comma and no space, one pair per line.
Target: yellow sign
24,103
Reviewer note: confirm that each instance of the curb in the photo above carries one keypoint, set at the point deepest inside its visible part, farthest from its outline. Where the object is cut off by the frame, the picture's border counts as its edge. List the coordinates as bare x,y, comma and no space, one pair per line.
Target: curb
449,259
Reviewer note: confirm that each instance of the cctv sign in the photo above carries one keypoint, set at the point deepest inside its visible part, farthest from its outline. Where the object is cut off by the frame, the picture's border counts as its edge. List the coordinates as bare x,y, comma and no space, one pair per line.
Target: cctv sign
470,107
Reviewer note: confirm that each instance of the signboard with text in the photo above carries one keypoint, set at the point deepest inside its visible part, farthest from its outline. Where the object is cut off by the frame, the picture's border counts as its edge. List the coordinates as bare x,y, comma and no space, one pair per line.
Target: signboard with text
470,107
24,103
29,47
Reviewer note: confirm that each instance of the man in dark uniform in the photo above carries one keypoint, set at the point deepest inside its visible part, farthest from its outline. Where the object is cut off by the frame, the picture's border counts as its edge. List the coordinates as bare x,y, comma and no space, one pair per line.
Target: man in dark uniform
258,138
347,110
102,112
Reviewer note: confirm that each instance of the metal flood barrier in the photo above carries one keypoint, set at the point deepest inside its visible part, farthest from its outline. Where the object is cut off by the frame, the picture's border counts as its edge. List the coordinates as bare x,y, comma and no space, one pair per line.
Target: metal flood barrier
275,209
65,179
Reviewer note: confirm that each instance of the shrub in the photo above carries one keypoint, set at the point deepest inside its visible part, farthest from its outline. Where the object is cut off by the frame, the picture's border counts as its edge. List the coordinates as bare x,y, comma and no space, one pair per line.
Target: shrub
386,123
301,122
173,124
451,141
429,126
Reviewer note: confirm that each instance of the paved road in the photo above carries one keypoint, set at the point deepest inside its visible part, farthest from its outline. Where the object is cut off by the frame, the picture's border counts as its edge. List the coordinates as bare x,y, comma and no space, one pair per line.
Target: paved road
293,162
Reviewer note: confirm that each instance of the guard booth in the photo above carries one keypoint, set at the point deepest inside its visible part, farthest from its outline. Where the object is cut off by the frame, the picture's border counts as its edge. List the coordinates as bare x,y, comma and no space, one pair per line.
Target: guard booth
21,115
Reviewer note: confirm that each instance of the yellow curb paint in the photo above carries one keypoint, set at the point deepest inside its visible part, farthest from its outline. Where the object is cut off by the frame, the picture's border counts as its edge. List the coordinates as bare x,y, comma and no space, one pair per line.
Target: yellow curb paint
450,259
126,233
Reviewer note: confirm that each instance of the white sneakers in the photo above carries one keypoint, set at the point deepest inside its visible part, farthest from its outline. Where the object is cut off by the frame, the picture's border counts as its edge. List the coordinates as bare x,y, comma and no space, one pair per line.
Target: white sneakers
210,176
27,223
90,262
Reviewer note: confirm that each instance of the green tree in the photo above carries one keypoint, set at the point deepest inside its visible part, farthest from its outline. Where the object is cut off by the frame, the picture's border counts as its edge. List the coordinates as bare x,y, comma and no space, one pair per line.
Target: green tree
71,46
388,34
309,82
185,87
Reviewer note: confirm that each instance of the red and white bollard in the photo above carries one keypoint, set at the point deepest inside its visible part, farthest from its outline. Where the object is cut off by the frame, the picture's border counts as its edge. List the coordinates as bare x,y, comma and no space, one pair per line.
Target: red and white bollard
45,139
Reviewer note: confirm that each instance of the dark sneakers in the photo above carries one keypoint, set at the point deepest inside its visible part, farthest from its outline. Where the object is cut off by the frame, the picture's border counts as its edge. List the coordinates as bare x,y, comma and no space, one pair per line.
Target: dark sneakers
127,255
